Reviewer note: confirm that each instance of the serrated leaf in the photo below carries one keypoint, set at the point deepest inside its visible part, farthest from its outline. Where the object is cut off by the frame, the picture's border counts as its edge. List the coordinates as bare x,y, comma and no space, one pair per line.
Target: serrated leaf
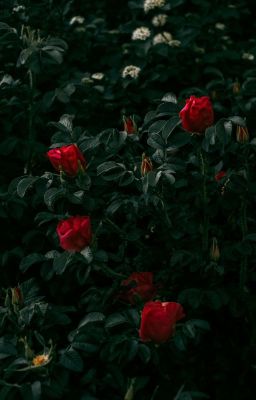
52,195
61,262
115,320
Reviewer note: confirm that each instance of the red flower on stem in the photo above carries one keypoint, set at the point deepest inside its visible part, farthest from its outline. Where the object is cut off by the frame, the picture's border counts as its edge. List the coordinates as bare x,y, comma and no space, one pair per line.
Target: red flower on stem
158,321
68,159
220,175
75,233
138,285
197,115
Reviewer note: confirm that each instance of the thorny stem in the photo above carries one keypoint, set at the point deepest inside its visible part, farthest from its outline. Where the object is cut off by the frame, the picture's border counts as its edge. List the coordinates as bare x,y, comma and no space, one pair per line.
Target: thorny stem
204,199
27,168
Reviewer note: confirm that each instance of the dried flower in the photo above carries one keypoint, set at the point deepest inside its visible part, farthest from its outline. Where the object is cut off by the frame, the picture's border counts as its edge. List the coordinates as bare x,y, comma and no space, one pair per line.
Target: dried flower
17,297
242,134
159,20
141,33
162,38
132,71
41,359
151,4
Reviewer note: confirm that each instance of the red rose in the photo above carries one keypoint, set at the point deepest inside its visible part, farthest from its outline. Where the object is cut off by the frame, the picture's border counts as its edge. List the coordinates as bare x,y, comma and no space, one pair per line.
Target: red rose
75,233
68,159
130,126
197,114
220,175
139,284
158,320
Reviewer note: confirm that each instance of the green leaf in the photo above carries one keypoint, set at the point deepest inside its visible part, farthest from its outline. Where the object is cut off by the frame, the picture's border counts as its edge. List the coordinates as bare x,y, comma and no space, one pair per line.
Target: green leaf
169,127
111,170
30,260
71,360
91,318
52,195
115,320
61,262
25,184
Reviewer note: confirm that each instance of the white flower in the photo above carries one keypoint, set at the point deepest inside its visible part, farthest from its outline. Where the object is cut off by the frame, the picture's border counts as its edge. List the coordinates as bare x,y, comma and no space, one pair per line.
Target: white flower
151,4
159,20
248,56
164,37
220,26
131,70
78,19
174,43
141,33
18,9
98,76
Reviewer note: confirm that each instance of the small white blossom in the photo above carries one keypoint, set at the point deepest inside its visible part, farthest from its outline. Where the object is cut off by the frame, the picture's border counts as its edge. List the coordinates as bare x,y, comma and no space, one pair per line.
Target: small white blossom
220,26
76,20
98,76
159,20
131,70
141,33
175,43
151,4
164,37
18,9
248,56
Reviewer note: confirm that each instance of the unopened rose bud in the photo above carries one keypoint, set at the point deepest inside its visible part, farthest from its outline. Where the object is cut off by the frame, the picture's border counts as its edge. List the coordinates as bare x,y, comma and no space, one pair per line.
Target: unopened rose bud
17,297
215,251
146,165
130,126
242,134
236,87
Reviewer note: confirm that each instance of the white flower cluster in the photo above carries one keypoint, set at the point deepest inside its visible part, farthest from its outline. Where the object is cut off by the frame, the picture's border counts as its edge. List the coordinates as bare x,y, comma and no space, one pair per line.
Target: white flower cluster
141,33
220,26
165,38
159,20
131,70
98,76
18,9
151,4
76,20
248,56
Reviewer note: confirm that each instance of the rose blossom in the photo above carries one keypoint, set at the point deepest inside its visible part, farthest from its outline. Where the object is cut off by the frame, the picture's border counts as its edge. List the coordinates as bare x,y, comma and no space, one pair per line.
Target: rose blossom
197,115
138,285
75,233
68,159
158,320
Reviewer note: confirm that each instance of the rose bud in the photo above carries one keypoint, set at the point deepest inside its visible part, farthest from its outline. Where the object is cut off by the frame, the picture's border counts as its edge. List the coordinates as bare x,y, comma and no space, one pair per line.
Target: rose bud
68,159
146,165
130,126
75,233
220,175
17,297
158,321
242,134
214,251
139,285
197,115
